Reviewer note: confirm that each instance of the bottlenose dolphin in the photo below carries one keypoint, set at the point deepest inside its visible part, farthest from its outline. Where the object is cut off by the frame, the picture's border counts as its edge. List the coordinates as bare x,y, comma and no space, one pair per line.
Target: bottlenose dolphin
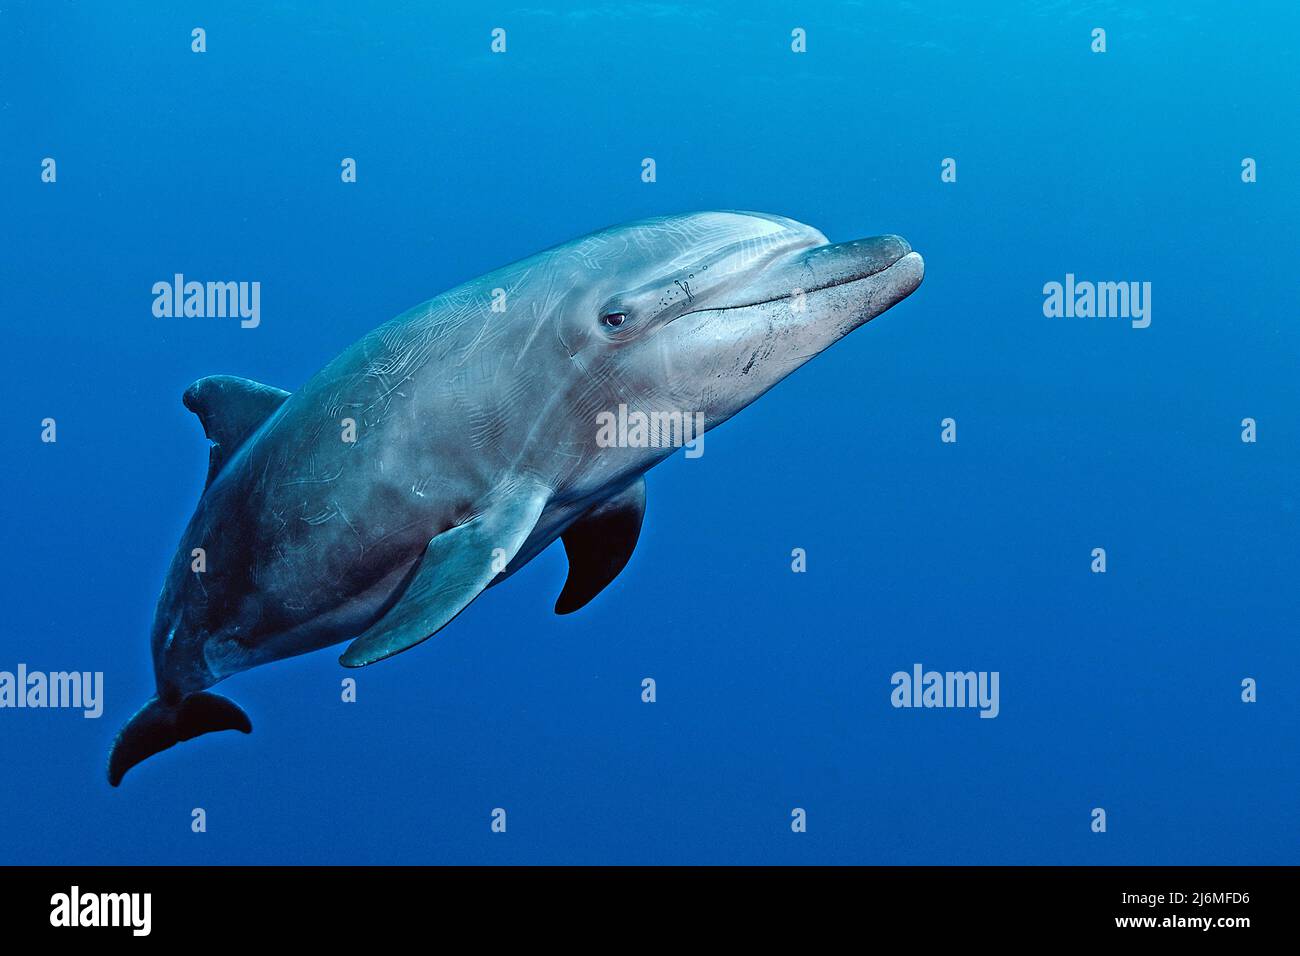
447,448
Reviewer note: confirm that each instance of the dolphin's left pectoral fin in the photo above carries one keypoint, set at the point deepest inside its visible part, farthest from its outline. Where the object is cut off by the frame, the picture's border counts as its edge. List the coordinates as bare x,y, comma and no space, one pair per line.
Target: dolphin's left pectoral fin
599,545
457,565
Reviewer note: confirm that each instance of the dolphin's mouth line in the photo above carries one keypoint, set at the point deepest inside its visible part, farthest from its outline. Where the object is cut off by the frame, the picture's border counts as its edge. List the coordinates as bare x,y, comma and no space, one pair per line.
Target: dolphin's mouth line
789,295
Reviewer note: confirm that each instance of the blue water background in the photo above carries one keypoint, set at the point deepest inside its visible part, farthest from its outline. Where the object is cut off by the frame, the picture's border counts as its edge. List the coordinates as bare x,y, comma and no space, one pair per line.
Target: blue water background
1119,691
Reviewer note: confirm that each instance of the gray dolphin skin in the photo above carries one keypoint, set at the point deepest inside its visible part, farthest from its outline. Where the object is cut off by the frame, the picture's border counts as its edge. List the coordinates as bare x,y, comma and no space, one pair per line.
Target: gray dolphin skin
449,447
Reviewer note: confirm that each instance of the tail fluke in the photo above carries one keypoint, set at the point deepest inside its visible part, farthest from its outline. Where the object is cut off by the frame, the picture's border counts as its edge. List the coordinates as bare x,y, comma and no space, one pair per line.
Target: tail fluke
156,727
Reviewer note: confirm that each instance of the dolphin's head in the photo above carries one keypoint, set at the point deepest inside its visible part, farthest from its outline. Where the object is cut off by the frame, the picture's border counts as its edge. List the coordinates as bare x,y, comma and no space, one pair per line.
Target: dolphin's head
704,313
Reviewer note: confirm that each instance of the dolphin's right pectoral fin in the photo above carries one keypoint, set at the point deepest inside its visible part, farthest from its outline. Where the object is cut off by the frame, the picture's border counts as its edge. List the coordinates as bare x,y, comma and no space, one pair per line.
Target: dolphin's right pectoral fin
456,567
599,545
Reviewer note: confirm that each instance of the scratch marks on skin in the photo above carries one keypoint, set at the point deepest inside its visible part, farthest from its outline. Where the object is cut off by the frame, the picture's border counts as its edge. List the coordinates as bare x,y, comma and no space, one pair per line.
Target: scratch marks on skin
361,542
399,350
321,518
543,313
336,408
596,251
486,427
484,331
313,481
384,397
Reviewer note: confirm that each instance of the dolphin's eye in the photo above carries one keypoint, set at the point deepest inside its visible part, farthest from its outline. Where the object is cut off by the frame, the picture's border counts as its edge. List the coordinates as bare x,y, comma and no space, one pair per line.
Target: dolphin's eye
613,320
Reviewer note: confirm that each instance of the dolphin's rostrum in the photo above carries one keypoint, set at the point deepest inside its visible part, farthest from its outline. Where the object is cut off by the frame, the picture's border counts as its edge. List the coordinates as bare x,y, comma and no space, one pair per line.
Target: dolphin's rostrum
447,448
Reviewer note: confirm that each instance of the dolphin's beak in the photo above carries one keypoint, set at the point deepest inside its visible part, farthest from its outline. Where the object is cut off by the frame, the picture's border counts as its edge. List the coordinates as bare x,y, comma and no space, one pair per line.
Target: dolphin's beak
847,284
893,269
888,260
839,262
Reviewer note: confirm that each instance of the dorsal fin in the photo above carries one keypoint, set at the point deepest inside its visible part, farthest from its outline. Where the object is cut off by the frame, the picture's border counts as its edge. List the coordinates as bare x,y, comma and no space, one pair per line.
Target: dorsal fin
230,409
